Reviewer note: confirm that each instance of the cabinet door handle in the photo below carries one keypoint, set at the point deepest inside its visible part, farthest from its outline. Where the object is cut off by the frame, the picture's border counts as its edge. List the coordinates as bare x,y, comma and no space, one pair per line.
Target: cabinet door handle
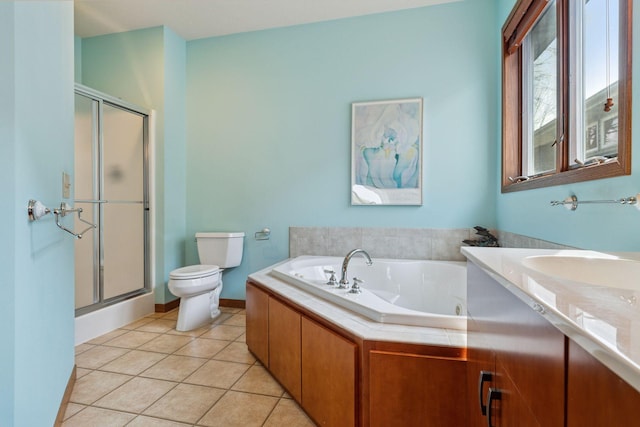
485,376
494,394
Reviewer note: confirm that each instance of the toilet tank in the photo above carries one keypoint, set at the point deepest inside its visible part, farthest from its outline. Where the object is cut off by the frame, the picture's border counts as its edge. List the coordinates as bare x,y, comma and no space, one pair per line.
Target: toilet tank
221,249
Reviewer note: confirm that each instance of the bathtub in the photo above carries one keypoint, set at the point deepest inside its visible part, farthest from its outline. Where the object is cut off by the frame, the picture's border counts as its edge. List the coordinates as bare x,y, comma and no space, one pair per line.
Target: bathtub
406,292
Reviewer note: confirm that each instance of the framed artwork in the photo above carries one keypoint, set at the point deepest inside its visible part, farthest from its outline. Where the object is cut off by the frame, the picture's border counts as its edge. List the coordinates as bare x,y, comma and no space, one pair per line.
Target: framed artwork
386,152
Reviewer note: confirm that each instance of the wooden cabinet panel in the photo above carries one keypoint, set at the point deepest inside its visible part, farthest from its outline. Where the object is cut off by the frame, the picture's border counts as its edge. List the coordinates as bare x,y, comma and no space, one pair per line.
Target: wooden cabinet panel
328,376
511,409
416,390
284,346
479,361
596,395
529,352
257,308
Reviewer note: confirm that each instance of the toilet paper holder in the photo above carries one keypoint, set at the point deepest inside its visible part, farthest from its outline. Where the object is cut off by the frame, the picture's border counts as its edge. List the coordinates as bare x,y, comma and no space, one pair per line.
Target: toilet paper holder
262,234
37,210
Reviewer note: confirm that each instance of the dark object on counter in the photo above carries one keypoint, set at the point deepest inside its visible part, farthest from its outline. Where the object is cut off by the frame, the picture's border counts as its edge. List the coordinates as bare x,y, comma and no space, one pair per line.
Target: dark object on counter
487,239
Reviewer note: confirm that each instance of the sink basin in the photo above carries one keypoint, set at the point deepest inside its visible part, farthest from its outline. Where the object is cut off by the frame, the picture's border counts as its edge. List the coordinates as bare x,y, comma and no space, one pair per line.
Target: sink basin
611,272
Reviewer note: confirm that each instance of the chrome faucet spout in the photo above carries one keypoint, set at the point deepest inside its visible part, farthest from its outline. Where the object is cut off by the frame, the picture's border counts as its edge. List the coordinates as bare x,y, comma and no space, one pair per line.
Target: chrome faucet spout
345,263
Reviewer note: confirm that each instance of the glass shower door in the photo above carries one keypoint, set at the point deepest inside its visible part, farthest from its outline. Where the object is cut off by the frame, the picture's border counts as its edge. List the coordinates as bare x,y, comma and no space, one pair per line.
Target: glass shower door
110,183
123,194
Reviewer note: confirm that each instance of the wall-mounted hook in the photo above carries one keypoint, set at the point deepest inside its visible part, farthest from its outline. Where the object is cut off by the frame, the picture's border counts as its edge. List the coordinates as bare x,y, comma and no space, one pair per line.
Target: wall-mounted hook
36,210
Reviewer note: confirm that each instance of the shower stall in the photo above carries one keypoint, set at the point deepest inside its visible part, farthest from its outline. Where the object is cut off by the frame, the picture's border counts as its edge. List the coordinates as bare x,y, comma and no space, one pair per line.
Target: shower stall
111,182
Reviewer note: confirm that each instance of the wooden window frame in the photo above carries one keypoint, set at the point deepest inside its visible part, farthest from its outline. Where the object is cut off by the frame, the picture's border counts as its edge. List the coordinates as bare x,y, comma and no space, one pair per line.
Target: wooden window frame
521,20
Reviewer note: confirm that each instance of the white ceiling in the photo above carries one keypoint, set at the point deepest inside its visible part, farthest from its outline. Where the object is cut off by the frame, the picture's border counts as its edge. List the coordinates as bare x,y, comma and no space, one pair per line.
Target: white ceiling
195,19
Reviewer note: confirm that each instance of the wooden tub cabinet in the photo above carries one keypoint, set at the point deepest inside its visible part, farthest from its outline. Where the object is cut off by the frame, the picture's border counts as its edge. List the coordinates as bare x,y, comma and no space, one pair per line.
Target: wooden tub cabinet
341,379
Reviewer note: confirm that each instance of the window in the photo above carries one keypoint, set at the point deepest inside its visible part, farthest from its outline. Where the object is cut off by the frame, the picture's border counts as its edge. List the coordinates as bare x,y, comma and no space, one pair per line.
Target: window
566,92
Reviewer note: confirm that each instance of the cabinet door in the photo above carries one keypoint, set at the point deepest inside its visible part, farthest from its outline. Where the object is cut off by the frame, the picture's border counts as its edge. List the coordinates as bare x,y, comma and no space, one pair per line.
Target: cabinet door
426,390
481,364
530,351
596,395
257,307
328,376
284,346
481,372
510,409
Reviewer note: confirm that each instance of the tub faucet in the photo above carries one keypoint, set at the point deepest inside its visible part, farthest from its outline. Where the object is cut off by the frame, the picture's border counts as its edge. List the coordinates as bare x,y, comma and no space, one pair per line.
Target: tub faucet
343,278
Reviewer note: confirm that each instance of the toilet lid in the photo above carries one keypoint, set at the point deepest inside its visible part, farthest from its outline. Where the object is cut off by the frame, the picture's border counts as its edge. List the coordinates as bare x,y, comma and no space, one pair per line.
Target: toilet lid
194,272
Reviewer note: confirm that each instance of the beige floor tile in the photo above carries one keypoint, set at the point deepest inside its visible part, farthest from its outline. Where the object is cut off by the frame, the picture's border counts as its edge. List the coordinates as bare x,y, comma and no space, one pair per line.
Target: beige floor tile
192,333
134,362
93,386
224,332
135,395
258,380
138,323
174,368
231,310
108,336
186,403
288,413
82,348
98,356
158,325
223,317
216,373
237,320
171,315
242,338
239,409
81,372
154,315
202,347
166,343
95,417
236,352
142,421
72,409
132,339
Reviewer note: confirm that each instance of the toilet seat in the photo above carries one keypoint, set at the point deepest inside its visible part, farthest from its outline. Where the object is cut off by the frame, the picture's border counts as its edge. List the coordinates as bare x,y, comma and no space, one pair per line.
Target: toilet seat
194,272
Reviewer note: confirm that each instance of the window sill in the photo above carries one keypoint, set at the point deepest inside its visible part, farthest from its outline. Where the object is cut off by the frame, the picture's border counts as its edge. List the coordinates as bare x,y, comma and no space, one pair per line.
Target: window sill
587,173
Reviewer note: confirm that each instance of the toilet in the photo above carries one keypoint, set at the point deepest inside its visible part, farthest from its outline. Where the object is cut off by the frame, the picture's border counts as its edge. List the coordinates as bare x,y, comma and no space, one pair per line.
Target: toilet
199,286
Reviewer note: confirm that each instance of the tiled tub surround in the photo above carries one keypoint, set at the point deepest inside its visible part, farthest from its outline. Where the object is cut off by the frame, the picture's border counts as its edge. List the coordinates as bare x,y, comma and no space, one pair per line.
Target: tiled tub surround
149,374
440,244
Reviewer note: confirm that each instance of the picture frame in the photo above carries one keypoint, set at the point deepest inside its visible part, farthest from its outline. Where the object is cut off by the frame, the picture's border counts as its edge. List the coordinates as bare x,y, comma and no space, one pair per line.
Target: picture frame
386,152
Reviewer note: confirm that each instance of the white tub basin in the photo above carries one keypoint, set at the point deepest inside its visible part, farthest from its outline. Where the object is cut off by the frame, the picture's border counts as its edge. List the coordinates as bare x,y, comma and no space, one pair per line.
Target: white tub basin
611,272
407,292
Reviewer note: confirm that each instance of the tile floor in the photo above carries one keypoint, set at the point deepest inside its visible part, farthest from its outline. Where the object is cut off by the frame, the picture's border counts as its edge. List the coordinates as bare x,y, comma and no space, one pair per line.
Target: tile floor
149,374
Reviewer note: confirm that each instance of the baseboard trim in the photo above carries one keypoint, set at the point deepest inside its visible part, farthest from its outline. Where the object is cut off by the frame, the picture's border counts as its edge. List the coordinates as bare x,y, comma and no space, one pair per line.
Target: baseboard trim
233,303
65,398
164,308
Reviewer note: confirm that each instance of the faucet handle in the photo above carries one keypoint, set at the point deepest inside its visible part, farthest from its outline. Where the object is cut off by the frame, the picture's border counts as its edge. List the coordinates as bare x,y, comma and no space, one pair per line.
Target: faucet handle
332,280
355,288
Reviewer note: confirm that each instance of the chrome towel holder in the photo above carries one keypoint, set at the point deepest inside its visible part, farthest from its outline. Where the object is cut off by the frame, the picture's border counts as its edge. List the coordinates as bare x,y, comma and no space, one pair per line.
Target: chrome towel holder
37,210
572,202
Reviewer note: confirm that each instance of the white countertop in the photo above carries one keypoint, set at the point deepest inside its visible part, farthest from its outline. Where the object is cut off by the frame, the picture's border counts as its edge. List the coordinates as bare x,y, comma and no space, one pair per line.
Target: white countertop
357,324
604,320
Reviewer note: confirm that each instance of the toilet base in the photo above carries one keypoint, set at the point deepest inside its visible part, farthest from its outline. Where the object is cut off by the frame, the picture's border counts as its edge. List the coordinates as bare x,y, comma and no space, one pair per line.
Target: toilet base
196,311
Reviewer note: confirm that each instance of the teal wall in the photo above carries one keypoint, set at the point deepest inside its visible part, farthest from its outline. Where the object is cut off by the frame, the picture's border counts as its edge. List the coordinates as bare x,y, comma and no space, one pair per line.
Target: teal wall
599,227
256,131
269,124
36,129
147,68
